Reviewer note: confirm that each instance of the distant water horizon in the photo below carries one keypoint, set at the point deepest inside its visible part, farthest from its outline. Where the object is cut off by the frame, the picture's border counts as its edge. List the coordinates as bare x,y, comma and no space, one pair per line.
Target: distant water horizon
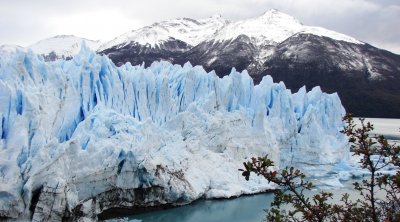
390,128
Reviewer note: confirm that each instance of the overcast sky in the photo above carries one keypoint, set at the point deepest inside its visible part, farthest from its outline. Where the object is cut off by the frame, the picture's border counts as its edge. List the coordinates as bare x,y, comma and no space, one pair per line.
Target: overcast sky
25,22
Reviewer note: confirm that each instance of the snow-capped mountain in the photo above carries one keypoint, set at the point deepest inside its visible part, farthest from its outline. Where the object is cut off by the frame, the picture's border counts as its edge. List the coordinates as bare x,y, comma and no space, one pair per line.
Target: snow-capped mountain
273,27
186,30
161,41
155,42
82,137
274,43
62,46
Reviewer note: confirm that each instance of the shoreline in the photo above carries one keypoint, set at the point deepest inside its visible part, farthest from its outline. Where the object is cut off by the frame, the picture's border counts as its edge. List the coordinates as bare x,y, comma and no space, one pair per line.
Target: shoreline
115,213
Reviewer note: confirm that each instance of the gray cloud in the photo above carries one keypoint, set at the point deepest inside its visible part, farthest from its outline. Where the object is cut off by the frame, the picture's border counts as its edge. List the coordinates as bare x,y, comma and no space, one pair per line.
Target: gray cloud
24,22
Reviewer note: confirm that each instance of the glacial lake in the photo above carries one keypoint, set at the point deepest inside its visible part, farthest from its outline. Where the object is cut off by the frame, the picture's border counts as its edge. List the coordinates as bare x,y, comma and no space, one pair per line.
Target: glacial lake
249,208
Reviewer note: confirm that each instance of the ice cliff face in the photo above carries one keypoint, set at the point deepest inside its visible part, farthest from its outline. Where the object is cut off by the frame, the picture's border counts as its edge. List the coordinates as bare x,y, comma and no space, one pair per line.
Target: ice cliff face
81,137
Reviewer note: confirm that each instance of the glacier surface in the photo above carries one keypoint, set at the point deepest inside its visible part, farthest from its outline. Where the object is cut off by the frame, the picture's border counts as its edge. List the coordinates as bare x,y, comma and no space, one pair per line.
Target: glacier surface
80,137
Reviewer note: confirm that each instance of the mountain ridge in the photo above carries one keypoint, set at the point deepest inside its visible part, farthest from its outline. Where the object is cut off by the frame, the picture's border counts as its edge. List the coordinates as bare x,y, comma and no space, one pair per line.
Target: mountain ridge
185,29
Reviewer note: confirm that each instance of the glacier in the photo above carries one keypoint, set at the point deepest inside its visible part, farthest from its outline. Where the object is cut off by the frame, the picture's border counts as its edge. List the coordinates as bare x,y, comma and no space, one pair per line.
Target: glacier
81,137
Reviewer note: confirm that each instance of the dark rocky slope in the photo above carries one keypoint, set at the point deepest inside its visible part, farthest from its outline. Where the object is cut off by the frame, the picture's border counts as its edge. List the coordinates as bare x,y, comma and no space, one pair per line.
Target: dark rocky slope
137,54
366,78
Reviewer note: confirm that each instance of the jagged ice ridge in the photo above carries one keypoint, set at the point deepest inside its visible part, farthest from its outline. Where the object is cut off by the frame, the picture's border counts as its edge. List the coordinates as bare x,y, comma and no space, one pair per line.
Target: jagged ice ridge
87,136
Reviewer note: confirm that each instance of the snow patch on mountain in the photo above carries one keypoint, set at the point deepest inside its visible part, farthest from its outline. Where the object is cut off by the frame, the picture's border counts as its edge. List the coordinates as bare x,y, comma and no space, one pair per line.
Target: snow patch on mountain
319,31
372,72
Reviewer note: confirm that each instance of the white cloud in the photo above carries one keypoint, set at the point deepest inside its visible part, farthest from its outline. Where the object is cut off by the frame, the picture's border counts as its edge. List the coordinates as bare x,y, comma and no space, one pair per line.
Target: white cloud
97,25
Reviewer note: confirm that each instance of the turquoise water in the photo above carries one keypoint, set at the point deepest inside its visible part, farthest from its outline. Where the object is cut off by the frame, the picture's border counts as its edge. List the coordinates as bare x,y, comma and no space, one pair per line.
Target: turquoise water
243,209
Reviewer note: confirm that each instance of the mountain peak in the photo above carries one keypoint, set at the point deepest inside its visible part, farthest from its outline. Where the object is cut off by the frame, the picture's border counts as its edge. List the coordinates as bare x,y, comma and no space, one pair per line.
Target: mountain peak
271,11
64,36
216,16
215,19
276,16
269,28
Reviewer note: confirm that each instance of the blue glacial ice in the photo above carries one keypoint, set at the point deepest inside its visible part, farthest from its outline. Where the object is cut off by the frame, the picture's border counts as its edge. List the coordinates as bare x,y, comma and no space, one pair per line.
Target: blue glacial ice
83,130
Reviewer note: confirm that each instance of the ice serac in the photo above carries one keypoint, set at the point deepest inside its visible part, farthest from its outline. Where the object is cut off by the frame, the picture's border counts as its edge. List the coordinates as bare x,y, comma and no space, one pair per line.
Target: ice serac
82,137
